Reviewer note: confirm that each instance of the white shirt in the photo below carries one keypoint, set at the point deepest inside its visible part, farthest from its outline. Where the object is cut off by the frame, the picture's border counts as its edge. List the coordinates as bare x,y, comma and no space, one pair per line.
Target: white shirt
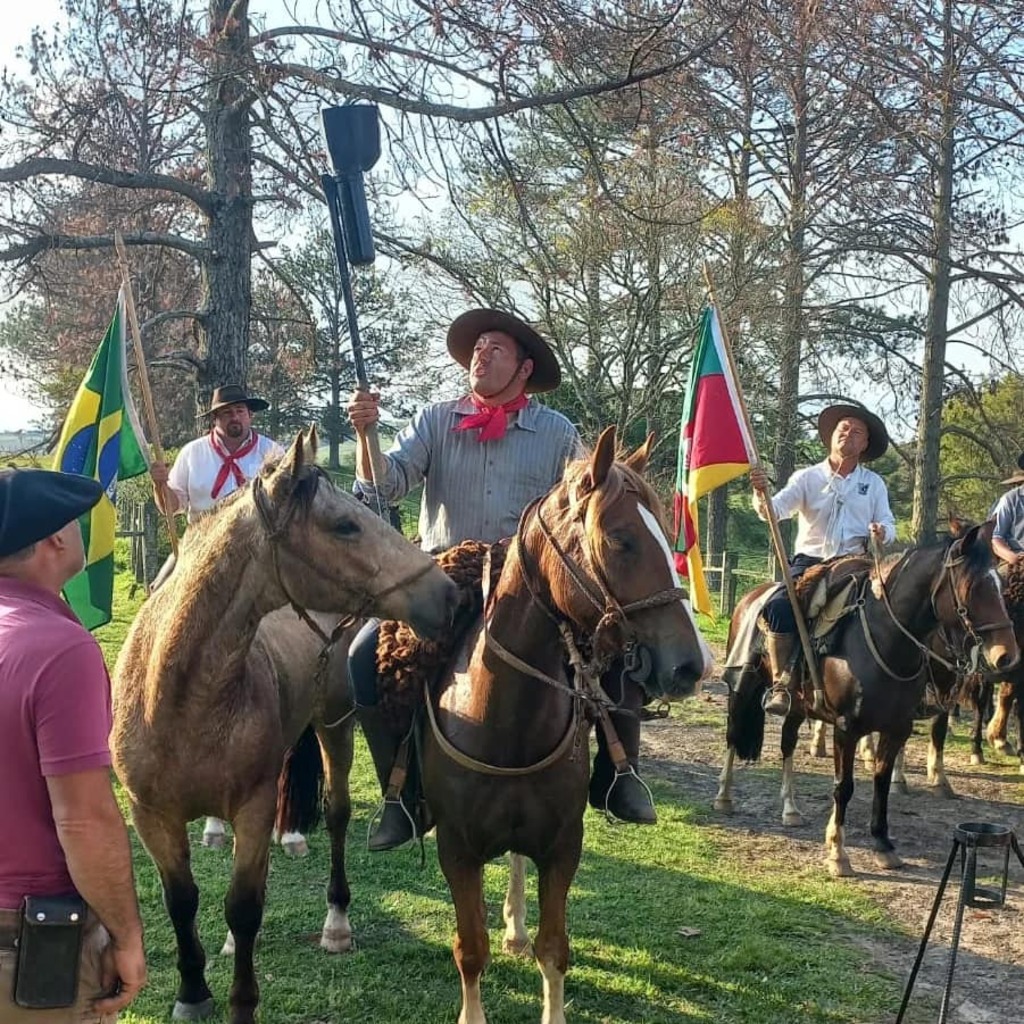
834,512
195,470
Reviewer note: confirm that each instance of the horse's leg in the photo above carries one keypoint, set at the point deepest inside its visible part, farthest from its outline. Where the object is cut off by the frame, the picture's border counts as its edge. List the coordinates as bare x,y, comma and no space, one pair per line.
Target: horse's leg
294,844
791,816
844,751
899,775
517,939
168,845
936,756
552,945
889,746
981,700
818,746
243,904
471,948
214,834
996,732
723,798
866,749
336,744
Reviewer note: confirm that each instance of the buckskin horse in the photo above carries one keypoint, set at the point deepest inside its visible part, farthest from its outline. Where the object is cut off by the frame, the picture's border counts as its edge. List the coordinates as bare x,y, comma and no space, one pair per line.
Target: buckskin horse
193,668
874,678
588,576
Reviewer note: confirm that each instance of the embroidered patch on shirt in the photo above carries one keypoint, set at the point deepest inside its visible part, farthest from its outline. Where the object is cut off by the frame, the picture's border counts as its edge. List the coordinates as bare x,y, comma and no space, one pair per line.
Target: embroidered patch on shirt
862,488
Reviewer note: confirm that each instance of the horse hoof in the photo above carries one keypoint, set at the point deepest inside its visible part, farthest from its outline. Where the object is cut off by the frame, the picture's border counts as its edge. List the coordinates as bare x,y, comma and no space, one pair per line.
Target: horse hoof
517,947
900,785
726,806
1001,747
888,860
193,1011
840,867
793,819
977,759
295,847
818,749
333,940
214,840
228,949
942,790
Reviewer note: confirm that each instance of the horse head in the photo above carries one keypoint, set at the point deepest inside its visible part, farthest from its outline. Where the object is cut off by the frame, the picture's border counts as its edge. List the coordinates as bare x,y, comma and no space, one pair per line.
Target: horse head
967,598
606,566
326,543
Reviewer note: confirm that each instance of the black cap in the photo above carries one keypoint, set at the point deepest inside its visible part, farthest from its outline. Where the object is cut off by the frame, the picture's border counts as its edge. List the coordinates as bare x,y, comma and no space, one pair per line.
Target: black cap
36,503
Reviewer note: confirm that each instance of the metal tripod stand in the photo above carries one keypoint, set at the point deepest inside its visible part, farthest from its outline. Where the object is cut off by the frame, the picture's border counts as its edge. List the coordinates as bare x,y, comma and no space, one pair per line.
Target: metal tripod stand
968,838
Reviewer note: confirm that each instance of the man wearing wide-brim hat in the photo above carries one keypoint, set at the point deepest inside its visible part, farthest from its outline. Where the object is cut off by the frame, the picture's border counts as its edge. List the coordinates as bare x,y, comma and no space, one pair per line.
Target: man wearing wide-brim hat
210,468
64,838
840,505
482,459
1008,536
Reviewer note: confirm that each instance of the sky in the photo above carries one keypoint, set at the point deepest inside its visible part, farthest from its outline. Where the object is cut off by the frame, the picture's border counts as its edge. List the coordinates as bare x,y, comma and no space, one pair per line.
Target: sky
18,20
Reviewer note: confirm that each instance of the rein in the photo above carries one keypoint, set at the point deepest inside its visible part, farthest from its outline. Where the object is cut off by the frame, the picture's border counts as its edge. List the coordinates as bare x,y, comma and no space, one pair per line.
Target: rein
928,655
586,676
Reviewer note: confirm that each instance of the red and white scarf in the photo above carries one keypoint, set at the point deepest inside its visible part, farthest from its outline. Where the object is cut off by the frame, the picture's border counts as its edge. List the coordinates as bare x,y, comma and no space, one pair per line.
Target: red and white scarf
229,461
491,420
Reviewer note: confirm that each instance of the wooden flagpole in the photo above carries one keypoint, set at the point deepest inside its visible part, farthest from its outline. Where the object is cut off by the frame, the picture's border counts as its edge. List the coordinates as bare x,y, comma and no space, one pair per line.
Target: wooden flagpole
773,520
147,394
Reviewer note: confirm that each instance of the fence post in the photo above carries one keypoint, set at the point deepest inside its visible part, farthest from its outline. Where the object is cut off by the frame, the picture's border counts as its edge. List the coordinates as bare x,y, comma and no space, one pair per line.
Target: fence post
150,546
727,595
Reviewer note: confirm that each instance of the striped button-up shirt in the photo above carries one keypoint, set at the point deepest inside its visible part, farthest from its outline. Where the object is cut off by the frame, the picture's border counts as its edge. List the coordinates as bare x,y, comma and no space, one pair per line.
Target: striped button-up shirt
1009,517
475,490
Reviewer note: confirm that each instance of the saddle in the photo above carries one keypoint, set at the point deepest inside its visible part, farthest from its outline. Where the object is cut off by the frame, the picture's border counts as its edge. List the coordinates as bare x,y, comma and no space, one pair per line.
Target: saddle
828,594
405,662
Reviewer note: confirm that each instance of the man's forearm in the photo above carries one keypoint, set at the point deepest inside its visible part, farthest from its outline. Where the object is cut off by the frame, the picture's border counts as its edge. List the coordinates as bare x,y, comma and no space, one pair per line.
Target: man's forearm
100,863
1003,550
367,468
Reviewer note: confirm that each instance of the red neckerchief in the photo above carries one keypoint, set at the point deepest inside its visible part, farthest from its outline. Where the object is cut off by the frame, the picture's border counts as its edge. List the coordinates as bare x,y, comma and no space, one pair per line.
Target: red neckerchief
491,419
229,461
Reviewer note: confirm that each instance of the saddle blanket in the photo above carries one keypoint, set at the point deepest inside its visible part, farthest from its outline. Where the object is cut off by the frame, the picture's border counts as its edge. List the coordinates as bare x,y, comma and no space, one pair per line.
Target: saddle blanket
745,648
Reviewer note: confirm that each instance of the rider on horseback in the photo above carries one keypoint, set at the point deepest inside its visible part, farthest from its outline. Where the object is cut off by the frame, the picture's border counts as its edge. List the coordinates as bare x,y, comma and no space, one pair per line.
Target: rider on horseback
839,503
482,460
1008,536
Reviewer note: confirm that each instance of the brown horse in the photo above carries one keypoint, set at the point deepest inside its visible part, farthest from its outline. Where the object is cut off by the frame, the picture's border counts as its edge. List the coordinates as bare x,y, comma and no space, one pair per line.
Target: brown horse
505,767
875,675
204,714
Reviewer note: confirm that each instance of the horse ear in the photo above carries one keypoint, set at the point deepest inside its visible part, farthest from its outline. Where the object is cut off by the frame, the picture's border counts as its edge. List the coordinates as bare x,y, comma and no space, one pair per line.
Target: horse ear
295,458
637,461
958,525
603,457
312,442
978,539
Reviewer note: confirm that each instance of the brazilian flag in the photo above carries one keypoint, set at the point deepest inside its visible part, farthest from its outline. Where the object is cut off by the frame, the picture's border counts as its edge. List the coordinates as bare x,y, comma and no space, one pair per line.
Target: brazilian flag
101,438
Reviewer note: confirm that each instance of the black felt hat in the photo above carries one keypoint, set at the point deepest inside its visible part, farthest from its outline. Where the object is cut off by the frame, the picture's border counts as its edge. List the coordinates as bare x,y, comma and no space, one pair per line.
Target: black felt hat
36,503
878,436
466,329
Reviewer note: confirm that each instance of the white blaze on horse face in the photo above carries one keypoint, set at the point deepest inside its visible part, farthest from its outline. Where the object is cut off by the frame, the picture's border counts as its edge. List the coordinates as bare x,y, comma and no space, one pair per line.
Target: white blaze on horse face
652,524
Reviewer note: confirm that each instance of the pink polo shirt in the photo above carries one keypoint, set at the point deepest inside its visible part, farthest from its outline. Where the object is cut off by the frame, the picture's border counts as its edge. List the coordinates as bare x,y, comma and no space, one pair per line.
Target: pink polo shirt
54,720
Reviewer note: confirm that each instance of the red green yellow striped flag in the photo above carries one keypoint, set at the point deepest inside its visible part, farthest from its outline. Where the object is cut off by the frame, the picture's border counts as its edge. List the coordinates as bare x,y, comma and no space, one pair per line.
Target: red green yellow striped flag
715,447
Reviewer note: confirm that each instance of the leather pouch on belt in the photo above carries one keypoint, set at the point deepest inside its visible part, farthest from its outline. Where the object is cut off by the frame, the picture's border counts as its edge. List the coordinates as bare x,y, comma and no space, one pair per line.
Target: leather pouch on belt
49,948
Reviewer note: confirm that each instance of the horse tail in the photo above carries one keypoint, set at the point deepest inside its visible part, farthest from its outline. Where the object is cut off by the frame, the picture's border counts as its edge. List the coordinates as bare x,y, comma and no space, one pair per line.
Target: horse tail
300,786
745,728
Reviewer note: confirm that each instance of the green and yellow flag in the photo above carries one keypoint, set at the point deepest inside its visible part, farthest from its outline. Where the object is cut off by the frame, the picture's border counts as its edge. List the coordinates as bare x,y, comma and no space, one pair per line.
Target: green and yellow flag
101,438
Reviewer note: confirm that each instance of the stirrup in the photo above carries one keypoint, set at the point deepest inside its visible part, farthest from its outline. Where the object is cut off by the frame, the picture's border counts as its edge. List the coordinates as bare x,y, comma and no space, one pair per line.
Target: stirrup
378,817
769,696
629,770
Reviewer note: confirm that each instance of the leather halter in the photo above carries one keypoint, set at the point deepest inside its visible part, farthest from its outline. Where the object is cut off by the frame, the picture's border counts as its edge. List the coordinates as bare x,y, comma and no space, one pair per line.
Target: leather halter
949,562
277,530
586,686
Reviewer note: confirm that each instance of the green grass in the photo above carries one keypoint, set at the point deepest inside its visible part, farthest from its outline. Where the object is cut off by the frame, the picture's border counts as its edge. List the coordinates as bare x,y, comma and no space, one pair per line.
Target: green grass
774,946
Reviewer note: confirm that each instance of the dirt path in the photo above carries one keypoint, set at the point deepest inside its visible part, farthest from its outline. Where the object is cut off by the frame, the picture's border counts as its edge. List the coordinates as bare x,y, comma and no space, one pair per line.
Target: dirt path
988,983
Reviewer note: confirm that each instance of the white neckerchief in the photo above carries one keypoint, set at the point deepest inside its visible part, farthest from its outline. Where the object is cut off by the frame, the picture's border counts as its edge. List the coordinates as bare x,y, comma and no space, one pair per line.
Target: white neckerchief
839,487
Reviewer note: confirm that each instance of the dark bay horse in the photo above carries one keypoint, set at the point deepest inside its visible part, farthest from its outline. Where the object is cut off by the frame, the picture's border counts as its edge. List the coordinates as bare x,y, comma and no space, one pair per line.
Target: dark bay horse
505,766
875,677
210,692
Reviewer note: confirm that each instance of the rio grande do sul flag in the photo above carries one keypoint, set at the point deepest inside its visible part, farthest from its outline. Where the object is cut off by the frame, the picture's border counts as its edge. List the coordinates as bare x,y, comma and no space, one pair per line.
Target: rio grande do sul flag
101,438
715,447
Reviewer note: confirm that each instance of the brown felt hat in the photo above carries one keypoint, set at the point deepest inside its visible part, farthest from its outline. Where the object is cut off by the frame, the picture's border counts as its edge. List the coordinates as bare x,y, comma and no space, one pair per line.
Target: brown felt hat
466,329
235,394
1016,478
878,436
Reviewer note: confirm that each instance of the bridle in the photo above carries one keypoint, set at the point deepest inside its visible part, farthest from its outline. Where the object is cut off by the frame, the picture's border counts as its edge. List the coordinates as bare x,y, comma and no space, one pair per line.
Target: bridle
276,529
586,687
962,661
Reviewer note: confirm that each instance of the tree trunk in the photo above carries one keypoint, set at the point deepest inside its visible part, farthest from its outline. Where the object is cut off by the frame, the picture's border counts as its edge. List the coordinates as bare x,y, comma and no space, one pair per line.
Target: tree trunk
929,424
226,272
